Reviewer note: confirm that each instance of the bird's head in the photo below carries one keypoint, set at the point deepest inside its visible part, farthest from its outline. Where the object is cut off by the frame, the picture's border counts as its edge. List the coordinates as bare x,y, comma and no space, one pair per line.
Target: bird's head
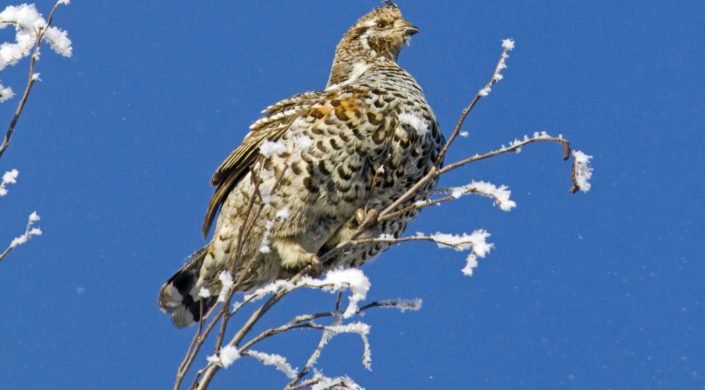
377,36
382,32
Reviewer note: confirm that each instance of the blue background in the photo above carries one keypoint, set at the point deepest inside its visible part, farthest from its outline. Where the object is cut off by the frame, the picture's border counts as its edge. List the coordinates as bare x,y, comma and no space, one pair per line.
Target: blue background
597,290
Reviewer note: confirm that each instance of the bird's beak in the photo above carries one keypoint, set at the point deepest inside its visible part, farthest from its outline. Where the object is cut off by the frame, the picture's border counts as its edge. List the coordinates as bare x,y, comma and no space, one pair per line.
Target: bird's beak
409,29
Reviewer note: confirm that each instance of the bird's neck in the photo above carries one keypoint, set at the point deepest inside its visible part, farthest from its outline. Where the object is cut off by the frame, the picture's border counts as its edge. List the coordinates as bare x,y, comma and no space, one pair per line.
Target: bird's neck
351,61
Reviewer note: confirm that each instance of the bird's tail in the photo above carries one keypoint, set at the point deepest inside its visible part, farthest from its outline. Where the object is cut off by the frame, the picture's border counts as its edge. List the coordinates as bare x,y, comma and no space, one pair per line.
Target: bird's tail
180,297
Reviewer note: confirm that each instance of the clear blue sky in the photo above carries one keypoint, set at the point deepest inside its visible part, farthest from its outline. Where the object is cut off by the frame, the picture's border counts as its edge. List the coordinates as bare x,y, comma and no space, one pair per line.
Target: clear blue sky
597,290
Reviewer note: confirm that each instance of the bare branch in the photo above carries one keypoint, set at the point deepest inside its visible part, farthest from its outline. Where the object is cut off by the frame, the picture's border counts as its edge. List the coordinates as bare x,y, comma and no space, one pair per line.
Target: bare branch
31,79
481,93
29,232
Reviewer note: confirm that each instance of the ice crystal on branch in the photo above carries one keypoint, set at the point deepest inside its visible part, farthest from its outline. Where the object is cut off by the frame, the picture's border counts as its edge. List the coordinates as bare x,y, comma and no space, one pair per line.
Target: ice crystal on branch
28,22
29,232
500,195
403,305
359,328
273,359
476,242
227,356
322,382
340,279
6,93
582,169
508,44
10,177
336,280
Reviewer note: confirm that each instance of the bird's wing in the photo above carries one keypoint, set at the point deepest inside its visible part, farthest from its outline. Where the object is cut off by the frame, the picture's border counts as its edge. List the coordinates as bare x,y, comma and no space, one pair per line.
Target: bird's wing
271,126
371,115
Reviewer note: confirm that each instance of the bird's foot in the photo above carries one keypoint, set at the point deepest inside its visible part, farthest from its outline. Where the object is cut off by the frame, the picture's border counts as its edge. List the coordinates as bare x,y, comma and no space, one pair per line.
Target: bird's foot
366,218
296,257
315,267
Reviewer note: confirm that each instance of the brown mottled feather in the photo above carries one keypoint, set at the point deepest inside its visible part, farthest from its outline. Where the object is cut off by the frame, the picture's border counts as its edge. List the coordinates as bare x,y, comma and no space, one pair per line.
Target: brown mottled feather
271,126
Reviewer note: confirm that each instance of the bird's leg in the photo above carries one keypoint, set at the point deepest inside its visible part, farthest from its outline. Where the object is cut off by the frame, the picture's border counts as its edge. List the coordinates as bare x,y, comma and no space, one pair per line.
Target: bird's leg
295,256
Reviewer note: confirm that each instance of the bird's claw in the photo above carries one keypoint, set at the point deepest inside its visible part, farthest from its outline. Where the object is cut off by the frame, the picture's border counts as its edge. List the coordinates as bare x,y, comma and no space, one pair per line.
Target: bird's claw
315,266
366,218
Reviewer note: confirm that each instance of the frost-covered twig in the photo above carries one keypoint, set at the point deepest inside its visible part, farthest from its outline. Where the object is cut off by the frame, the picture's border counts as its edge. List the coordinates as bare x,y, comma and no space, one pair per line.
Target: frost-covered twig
322,382
31,30
500,195
507,46
395,209
582,172
29,232
273,359
9,177
514,146
351,279
475,242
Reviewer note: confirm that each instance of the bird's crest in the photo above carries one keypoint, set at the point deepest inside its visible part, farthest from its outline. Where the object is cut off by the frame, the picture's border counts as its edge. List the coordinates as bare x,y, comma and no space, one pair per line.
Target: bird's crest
390,3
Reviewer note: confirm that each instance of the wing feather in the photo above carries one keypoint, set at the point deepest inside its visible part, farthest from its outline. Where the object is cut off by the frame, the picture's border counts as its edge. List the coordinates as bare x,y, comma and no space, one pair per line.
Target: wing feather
276,120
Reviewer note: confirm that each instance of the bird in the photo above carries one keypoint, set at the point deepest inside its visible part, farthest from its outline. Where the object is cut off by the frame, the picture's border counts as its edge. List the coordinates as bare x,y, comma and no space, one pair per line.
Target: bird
315,168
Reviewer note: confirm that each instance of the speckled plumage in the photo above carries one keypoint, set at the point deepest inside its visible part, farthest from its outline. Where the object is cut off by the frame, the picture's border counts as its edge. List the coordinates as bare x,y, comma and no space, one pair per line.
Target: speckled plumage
357,145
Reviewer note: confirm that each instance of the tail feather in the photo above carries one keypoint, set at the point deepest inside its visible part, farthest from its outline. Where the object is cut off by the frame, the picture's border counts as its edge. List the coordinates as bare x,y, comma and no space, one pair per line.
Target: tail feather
179,295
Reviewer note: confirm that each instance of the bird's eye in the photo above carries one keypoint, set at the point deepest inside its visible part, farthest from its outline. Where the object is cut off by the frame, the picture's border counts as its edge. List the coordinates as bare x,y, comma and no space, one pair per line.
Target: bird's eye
381,24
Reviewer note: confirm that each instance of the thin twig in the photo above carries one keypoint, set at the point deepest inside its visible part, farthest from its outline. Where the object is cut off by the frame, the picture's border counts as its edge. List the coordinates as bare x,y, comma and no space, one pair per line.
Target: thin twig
512,148
6,252
314,355
246,269
303,385
466,111
432,202
253,212
212,368
30,80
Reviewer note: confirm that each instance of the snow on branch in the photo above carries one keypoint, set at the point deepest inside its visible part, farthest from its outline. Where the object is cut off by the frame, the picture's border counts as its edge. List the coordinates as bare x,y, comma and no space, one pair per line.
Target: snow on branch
339,281
333,281
476,242
403,305
30,231
322,382
6,93
227,356
9,177
275,360
507,46
501,195
360,329
31,29
582,171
